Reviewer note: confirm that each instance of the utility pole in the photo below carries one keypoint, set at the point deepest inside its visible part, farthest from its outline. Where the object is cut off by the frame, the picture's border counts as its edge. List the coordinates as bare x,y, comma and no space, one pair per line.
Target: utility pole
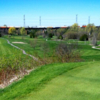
40,20
89,20
76,18
24,20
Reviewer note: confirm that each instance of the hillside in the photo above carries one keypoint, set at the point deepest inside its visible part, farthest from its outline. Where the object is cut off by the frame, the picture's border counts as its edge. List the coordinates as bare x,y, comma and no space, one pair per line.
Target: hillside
59,81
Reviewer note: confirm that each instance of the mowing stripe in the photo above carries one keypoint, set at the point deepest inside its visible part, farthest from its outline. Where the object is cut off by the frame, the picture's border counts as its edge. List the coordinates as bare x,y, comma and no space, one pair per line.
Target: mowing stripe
5,49
21,50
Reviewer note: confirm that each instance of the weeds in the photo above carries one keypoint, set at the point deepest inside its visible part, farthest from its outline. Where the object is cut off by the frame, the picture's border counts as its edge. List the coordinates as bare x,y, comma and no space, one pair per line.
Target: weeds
18,64
63,52
15,65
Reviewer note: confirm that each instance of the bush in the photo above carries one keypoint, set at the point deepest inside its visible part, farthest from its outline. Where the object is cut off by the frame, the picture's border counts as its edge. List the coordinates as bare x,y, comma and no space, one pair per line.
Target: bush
71,35
67,52
50,35
40,37
84,37
60,37
31,35
54,37
28,32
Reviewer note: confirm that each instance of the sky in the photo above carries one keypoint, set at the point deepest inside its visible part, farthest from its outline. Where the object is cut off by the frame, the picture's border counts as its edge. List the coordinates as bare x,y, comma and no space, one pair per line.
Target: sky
53,12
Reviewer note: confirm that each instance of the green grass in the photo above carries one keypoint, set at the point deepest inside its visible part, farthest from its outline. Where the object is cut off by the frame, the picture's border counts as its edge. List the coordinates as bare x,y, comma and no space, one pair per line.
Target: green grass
10,57
76,81
81,83
6,49
87,53
61,81
29,49
36,80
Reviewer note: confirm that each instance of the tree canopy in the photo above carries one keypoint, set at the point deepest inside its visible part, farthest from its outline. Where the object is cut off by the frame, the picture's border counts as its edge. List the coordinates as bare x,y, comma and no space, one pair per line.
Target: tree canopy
22,31
33,33
90,28
74,27
12,30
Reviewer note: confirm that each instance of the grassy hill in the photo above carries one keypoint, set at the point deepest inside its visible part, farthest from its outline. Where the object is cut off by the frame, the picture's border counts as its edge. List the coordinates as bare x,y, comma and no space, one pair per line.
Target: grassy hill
60,81
80,83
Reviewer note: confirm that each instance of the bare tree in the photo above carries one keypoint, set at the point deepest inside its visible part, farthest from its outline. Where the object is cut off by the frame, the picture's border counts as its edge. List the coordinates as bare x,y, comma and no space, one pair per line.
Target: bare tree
94,39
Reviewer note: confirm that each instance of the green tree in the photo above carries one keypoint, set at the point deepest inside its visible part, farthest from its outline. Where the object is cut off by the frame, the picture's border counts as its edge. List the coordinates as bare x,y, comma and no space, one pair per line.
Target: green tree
5,25
90,28
33,33
22,31
75,27
72,32
93,33
50,32
60,32
12,31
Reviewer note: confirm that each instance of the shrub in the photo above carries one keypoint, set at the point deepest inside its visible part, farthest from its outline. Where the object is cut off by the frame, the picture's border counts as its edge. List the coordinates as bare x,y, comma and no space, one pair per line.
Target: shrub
60,37
31,35
84,37
50,35
54,37
67,52
71,35
15,65
40,37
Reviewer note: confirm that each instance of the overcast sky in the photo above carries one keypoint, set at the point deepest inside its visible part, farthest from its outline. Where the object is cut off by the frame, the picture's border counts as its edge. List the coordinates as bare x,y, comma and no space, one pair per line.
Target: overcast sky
52,12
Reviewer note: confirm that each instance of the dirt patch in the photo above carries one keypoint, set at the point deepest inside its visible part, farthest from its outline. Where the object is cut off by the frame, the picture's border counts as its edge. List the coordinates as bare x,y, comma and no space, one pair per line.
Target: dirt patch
15,78
20,42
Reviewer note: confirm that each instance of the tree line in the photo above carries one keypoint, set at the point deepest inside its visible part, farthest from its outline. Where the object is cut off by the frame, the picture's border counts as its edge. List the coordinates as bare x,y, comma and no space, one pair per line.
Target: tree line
90,32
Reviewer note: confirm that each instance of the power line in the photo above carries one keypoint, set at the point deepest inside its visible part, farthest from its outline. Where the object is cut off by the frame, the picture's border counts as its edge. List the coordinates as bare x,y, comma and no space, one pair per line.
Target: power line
89,20
40,20
76,18
24,20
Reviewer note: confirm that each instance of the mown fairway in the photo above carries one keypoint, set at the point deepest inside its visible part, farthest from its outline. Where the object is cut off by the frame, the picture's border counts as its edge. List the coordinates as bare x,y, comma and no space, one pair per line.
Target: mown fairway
66,81
81,83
